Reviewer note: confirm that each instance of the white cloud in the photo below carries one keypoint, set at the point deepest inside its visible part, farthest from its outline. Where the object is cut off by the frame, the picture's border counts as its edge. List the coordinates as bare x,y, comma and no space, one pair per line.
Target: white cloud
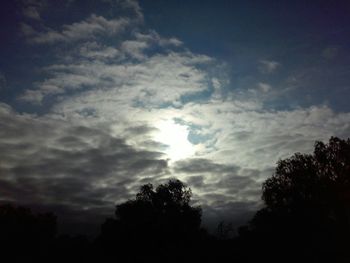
236,132
32,96
94,50
153,81
268,66
134,48
90,28
264,87
153,37
112,96
256,139
125,68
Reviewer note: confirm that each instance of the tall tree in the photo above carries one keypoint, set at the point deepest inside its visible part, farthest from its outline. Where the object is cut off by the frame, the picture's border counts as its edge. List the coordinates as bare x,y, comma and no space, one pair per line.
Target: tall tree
320,181
307,201
157,219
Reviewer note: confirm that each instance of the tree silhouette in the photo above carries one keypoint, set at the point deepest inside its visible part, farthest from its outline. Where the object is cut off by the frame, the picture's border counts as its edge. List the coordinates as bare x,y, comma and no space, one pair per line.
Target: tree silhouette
308,203
156,220
24,234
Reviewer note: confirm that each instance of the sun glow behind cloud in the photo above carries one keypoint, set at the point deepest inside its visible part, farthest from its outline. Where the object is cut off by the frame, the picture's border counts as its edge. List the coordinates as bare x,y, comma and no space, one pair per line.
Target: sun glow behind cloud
109,91
175,136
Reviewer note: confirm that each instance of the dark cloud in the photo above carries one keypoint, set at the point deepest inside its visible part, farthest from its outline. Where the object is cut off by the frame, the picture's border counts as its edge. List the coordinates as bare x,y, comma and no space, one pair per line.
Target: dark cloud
52,163
195,166
220,182
235,184
237,213
102,81
31,9
154,145
139,130
225,192
195,181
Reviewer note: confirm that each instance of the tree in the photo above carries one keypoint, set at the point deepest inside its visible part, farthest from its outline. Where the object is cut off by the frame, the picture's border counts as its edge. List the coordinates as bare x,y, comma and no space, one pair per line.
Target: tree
307,200
25,234
158,219
224,230
319,181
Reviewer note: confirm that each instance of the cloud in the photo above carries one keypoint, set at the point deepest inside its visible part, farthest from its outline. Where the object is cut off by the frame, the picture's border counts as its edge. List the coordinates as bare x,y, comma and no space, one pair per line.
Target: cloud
134,48
31,12
209,178
161,78
94,50
153,37
90,28
268,66
140,63
132,6
97,141
257,138
203,166
121,15
264,87
242,140
237,213
27,30
32,8
53,162
233,132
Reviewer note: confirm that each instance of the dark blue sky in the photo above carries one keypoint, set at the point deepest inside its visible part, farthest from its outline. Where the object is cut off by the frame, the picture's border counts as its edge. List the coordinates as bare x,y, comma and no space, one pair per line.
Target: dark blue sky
294,33
241,33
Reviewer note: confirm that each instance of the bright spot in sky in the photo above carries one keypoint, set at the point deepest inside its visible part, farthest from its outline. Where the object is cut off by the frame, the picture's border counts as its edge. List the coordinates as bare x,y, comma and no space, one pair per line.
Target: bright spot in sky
175,136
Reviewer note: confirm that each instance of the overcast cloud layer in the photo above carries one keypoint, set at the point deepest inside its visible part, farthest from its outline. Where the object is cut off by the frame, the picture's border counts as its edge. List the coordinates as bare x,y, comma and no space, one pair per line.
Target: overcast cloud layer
94,120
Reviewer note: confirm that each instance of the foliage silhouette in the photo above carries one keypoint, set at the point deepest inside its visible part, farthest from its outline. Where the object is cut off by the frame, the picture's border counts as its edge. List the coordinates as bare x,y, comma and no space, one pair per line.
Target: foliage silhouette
24,234
306,217
157,219
224,230
307,205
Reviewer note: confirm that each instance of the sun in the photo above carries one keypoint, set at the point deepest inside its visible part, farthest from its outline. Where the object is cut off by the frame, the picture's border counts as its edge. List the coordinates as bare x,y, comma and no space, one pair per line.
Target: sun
175,137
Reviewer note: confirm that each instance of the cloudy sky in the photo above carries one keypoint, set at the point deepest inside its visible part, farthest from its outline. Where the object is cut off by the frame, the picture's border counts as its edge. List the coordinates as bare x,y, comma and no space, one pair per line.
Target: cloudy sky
98,97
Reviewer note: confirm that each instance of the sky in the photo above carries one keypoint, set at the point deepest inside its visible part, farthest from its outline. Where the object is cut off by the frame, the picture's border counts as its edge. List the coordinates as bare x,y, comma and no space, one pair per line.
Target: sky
99,97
